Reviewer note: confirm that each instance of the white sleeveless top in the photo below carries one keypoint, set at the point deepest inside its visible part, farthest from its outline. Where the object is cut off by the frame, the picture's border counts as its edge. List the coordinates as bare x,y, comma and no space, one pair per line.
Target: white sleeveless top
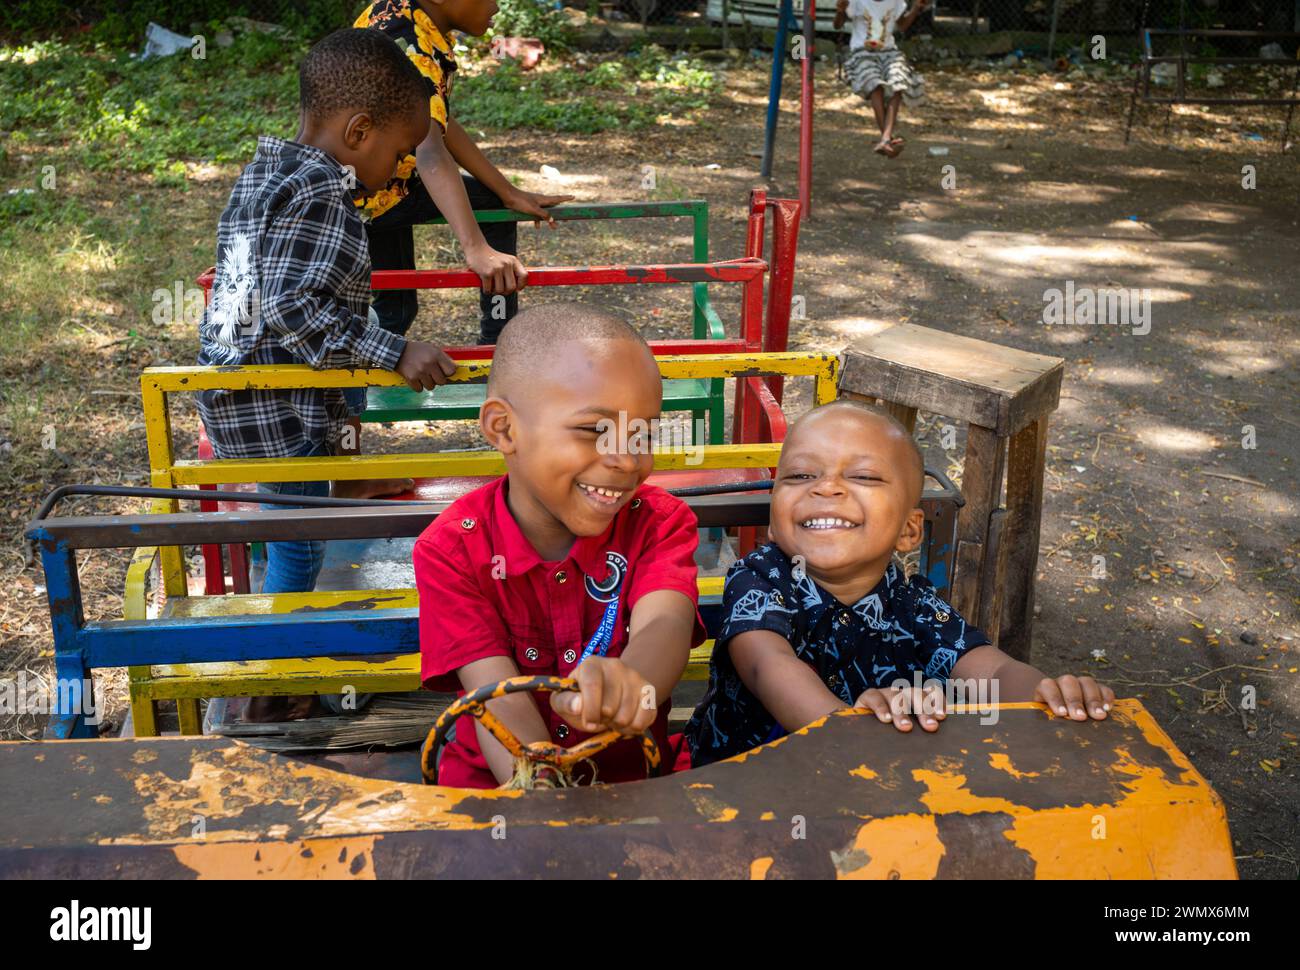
874,22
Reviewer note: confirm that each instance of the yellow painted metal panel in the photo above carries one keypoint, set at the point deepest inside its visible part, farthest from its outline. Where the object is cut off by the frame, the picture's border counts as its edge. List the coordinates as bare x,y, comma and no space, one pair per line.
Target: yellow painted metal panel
448,464
315,675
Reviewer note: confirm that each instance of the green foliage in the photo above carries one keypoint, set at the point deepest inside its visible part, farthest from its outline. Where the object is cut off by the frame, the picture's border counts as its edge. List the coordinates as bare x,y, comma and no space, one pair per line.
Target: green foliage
122,114
629,92
122,22
532,18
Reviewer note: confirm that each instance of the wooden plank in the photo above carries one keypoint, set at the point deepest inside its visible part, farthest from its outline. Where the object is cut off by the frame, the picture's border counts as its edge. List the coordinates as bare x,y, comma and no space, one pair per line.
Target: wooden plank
991,569
906,416
959,377
981,483
1025,463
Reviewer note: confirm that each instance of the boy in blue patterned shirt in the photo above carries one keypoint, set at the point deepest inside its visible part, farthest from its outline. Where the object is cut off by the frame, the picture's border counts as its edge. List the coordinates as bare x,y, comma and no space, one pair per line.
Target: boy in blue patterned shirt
822,619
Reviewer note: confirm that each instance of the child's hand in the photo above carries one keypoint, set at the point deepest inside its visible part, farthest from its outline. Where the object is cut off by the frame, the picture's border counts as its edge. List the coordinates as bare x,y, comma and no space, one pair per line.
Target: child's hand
425,365
892,705
500,273
610,696
535,204
1076,697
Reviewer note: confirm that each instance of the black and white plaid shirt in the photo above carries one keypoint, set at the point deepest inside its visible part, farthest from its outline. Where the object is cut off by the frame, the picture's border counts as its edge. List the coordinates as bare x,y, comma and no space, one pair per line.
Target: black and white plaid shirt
292,287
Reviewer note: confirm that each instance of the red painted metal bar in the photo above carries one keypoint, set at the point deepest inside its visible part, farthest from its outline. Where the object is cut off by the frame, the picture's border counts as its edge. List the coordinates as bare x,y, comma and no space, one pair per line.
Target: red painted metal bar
806,108
751,309
214,580
659,348
732,271
728,271
780,288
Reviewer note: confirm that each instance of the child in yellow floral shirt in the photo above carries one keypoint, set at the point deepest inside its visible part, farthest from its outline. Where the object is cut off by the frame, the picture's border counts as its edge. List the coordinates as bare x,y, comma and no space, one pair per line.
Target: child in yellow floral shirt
427,184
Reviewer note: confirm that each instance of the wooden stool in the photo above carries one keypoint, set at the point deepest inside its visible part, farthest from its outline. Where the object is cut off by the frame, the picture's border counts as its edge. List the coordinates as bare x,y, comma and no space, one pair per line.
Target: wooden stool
1001,394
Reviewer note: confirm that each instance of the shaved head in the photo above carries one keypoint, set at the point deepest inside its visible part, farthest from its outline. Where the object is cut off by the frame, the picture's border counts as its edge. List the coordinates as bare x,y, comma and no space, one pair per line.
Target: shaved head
870,412
534,339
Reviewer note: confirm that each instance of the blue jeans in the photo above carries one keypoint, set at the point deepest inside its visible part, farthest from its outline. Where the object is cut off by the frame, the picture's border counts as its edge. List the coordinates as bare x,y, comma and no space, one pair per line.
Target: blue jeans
292,567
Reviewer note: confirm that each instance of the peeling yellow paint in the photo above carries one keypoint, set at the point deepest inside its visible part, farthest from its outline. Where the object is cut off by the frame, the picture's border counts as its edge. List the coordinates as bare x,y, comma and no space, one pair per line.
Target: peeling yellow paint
898,847
1002,762
758,868
862,771
341,858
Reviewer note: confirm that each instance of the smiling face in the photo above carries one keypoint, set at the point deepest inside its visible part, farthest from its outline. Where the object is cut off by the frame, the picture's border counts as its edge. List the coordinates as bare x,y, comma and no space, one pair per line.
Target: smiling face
575,435
845,498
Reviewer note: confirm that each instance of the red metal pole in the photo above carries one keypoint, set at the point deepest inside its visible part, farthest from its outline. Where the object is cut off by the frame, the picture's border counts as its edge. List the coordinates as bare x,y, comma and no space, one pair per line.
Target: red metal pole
806,107
785,243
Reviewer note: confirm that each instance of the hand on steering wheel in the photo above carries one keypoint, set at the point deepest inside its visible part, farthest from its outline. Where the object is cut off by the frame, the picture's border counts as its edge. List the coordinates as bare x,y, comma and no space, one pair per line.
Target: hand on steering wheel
538,752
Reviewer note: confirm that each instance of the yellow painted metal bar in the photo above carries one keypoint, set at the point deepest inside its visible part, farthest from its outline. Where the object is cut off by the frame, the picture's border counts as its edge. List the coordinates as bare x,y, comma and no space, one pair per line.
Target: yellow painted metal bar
447,464
186,683
157,381
258,604
135,606
158,438
826,388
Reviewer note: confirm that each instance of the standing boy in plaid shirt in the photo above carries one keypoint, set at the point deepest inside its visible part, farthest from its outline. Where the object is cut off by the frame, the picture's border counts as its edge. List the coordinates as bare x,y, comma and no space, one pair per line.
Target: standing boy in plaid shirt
293,273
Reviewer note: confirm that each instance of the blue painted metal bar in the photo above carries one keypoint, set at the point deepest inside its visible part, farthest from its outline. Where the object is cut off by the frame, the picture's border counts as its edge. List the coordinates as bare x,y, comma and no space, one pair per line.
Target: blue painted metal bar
272,636
784,20
71,667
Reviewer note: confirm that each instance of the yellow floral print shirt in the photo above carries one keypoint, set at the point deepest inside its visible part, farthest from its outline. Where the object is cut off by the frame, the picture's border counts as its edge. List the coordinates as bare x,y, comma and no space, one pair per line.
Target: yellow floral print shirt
412,31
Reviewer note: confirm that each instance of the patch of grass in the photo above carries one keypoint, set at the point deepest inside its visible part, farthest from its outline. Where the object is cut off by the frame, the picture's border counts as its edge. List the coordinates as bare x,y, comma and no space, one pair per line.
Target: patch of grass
631,93
119,114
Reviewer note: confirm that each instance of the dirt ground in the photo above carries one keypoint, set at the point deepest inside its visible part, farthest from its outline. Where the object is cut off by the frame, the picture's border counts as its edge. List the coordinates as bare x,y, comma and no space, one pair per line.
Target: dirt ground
1172,452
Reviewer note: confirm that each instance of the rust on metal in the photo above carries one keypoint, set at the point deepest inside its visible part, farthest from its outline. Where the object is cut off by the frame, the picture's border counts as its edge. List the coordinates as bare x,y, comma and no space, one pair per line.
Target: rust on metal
1028,796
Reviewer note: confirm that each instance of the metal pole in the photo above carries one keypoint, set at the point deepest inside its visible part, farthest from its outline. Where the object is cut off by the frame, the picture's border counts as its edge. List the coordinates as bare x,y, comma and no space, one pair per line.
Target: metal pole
774,90
1051,40
806,107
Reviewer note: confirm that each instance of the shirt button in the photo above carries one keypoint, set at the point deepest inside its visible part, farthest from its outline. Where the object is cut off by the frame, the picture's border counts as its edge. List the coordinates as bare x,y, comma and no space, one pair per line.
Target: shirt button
531,653
570,656
941,616
561,577
844,618
636,503
467,523
562,731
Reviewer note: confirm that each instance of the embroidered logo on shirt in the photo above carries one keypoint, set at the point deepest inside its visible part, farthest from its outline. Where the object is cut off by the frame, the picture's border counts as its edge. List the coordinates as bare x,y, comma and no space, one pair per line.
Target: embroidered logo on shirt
607,589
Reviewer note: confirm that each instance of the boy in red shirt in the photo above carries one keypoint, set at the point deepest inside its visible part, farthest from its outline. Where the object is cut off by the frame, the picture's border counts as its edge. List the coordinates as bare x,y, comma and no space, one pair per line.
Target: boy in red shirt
569,565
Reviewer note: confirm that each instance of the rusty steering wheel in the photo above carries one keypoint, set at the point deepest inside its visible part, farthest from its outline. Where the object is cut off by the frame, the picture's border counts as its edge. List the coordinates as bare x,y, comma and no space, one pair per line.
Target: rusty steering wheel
539,752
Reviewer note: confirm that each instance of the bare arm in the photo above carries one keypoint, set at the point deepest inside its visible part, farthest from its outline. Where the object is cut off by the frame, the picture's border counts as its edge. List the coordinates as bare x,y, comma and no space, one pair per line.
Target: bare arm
909,18
441,176
841,14
789,689
518,712
659,639
1016,681
471,158
1077,698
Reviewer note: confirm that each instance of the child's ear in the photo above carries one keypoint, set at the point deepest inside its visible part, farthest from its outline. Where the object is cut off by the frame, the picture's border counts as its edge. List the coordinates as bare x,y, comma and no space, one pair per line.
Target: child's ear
913,532
496,419
359,127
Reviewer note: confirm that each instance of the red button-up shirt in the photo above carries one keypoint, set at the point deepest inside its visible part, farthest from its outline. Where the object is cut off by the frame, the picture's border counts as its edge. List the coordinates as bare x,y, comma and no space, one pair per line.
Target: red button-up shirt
485,592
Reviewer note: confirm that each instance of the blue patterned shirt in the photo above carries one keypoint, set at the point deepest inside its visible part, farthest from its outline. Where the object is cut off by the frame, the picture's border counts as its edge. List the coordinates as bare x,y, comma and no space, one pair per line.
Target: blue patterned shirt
900,627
